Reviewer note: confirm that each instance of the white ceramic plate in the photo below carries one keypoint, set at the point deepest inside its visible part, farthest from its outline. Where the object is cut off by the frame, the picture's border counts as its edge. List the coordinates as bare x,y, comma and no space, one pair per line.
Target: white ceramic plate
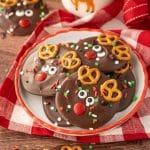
33,104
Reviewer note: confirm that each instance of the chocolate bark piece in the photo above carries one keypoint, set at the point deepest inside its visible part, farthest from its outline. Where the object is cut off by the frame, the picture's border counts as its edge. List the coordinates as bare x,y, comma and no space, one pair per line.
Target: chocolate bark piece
42,77
87,108
96,55
21,18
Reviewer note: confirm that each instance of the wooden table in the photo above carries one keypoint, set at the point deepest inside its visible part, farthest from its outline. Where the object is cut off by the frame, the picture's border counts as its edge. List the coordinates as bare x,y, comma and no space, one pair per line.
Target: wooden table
9,139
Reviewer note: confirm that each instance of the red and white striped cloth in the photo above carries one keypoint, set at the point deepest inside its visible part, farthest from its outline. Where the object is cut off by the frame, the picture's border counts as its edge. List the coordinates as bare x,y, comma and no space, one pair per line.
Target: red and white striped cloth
136,15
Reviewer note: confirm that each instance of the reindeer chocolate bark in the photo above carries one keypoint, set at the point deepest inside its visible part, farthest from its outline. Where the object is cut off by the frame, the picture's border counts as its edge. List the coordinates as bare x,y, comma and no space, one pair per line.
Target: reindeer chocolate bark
90,106
44,70
19,17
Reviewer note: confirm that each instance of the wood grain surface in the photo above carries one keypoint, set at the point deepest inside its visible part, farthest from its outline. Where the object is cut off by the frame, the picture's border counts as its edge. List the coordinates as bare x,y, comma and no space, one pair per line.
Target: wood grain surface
10,140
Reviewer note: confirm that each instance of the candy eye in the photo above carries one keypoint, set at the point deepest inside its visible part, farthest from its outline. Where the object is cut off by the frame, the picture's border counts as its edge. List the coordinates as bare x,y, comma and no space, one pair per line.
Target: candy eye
29,13
82,94
45,68
89,101
19,13
97,48
52,70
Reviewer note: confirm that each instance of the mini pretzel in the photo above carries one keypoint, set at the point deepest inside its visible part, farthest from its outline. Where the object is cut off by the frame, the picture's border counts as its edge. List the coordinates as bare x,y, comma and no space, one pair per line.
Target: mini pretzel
110,91
70,60
7,3
29,2
70,148
107,39
124,68
88,76
121,52
48,51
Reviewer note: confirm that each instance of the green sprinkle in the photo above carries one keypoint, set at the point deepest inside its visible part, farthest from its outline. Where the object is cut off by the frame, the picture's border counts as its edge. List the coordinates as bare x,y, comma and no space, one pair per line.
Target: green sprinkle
42,15
114,44
94,120
90,147
79,88
134,98
125,81
110,105
27,81
90,45
57,56
96,63
89,113
41,7
87,90
1,9
67,110
57,90
68,74
65,94
96,100
131,83
55,110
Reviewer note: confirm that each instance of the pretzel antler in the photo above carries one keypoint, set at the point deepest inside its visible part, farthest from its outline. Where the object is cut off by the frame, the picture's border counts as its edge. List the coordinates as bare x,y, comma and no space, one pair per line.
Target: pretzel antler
8,3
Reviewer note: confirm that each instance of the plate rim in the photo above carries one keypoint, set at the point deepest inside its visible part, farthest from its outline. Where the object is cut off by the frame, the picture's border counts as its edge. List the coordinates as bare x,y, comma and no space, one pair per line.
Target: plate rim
79,132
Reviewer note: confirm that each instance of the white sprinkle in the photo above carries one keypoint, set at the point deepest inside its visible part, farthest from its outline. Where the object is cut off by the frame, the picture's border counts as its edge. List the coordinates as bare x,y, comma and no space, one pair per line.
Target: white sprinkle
24,3
94,115
52,107
77,47
85,43
34,59
67,91
21,73
97,59
86,48
10,14
68,123
68,106
11,30
56,124
102,54
18,4
6,16
72,46
59,86
116,62
59,119
91,129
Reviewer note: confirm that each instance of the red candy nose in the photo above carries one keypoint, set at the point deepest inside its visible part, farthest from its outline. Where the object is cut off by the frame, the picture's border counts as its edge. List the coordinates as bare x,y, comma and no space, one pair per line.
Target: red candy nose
41,76
79,109
90,55
24,23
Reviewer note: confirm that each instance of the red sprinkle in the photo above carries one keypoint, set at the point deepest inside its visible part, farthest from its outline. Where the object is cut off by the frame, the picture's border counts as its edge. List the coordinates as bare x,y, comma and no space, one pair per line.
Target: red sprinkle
41,76
124,86
125,95
92,108
54,85
76,91
61,108
90,55
79,109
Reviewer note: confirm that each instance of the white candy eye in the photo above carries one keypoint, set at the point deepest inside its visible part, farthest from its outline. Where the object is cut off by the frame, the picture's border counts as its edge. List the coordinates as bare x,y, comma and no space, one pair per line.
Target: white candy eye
20,13
52,70
97,48
82,94
45,68
90,101
29,13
